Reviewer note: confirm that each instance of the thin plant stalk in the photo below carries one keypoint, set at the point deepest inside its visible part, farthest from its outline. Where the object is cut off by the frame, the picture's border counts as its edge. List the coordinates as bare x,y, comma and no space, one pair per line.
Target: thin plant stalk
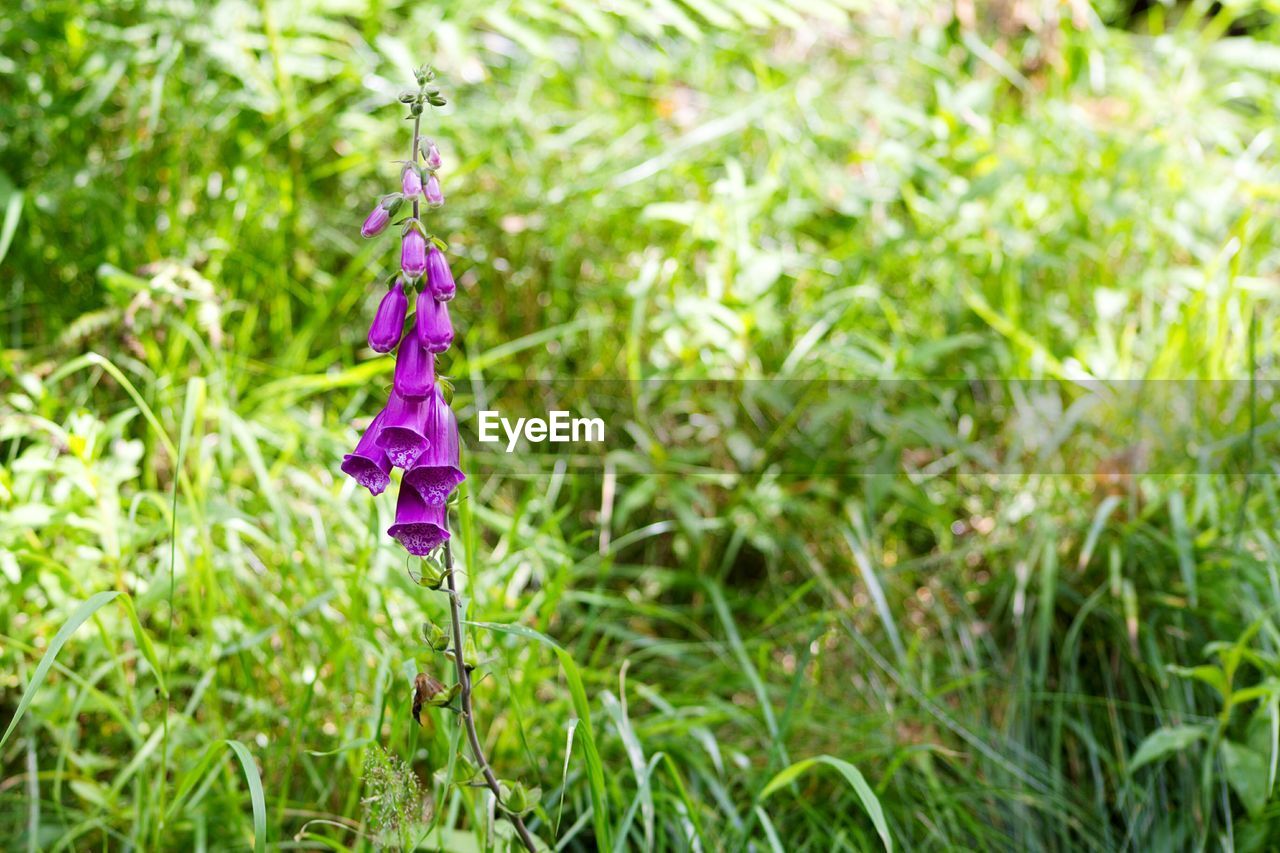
413,155
464,699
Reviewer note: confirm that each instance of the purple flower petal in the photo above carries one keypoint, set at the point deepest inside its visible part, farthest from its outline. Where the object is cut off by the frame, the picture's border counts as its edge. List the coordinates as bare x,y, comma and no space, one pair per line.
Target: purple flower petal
439,276
411,181
436,473
433,156
376,222
434,329
431,190
388,322
420,527
415,374
403,434
413,253
368,464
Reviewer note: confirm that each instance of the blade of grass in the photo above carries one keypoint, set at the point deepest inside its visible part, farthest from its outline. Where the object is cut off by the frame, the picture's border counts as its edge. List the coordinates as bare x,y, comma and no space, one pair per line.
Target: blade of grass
77,618
578,695
256,796
852,775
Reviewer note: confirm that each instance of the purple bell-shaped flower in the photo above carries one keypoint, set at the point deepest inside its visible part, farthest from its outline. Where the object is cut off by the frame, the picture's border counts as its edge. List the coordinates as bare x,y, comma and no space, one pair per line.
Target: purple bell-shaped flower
437,471
420,527
403,434
368,464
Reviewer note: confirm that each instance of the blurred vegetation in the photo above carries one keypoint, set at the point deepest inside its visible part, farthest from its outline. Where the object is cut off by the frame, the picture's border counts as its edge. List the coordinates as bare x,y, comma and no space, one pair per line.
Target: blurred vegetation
652,189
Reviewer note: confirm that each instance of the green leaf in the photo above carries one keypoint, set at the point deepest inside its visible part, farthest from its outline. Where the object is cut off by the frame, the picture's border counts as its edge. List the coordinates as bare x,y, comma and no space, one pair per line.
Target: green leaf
852,775
355,744
578,694
255,794
255,787
86,609
143,639
1182,544
1100,517
1210,675
1246,772
1162,742
12,211
190,779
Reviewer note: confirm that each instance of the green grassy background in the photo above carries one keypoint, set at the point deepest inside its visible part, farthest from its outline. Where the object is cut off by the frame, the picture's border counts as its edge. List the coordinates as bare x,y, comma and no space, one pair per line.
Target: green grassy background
1014,656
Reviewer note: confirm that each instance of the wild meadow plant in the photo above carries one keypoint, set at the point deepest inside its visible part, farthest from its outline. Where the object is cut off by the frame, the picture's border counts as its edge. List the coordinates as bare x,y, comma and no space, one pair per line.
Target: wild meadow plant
417,432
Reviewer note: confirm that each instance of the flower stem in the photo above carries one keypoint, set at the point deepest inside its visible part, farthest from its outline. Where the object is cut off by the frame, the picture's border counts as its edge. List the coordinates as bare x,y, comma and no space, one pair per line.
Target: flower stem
468,714
413,155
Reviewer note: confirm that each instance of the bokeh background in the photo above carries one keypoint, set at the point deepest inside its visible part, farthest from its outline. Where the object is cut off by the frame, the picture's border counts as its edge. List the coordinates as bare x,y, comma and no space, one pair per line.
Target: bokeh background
1012,654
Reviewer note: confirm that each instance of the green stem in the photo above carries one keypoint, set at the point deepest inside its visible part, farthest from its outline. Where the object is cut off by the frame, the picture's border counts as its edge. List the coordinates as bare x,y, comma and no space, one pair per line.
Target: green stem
413,155
466,712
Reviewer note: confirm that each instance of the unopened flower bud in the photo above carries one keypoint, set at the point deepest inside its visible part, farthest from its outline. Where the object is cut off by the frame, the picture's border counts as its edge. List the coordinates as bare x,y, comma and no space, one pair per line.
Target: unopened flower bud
435,197
388,322
413,251
376,222
434,330
437,638
411,181
439,276
517,799
432,155
415,373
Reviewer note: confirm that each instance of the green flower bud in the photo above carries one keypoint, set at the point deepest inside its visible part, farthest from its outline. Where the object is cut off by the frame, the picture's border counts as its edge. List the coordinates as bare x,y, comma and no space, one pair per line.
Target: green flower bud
445,697
432,577
435,636
517,799
470,656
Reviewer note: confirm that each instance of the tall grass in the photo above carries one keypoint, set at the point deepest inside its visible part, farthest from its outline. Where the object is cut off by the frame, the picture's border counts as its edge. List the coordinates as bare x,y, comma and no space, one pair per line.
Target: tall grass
770,634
